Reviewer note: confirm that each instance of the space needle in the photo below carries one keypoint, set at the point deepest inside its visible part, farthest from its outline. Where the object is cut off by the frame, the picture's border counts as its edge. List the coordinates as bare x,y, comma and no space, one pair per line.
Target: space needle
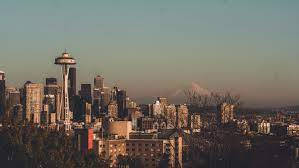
65,60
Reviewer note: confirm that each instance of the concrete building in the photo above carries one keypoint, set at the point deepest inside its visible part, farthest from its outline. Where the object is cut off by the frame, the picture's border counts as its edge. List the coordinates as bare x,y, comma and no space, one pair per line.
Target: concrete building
182,116
34,101
170,116
145,124
87,110
99,82
156,109
264,127
195,122
225,113
113,110
120,128
293,130
150,149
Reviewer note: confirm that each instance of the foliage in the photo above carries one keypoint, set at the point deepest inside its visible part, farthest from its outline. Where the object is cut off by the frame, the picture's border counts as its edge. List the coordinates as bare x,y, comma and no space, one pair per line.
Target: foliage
24,145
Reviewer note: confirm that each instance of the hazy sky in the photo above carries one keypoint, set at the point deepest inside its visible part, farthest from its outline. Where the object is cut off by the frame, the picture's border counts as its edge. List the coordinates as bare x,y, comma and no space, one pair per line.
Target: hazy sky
155,47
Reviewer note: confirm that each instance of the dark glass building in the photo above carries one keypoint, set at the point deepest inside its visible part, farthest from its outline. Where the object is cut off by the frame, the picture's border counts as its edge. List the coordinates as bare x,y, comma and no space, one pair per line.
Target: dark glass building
85,92
72,82
2,93
121,103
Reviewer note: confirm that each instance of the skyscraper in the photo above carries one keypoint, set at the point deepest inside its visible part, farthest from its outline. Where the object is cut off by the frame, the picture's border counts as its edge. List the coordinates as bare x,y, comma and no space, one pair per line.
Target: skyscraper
33,101
52,98
182,116
105,99
225,113
14,98
72,81
2,93
85,92
121,103
99,82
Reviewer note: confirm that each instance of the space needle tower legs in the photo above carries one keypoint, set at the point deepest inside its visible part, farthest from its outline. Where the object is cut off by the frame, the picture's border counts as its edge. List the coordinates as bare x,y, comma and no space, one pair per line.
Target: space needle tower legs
64,61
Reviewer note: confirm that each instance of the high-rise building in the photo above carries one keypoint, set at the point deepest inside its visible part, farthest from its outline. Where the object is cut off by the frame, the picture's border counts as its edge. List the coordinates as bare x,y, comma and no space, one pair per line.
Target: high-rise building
99,82
2,93
52,97
170,116
113,110
145,109
182,116
96,102
72,81
17,112
44,116
156,109
121,103
34,98
85,92
225,113
87,113
195,122
14,98
105,99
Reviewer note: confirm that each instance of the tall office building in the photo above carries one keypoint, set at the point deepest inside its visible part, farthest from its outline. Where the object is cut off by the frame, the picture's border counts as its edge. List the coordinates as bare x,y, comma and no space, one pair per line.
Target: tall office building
99,82
72,81
96,102
113,110
14,98
156,109
33,101
52,98
105,99
182,116
225,113
85,92
2,93
121,103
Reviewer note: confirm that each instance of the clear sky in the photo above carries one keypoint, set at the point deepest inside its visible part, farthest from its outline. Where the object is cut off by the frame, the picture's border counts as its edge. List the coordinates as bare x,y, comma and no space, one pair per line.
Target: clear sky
155,47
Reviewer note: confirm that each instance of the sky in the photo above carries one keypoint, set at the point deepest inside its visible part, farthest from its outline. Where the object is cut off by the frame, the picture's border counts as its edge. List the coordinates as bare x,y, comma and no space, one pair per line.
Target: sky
157,47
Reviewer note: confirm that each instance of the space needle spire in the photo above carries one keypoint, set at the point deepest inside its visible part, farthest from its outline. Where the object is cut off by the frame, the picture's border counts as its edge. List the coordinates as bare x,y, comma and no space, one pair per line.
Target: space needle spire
65,60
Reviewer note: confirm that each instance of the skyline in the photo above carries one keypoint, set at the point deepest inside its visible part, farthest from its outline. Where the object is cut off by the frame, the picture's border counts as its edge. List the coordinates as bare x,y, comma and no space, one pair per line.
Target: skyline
157,48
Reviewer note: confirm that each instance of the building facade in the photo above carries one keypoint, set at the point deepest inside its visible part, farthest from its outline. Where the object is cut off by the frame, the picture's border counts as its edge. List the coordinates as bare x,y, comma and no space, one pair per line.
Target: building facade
34,102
